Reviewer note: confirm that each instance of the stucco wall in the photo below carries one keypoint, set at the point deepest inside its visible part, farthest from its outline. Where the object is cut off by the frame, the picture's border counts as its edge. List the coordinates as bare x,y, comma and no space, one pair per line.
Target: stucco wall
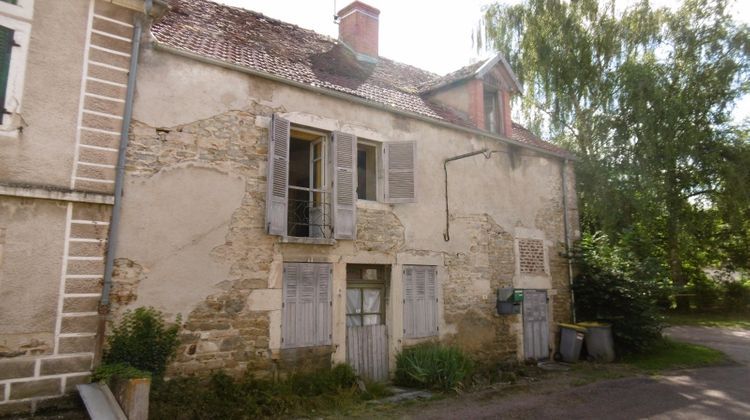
43,152
206,141
30,274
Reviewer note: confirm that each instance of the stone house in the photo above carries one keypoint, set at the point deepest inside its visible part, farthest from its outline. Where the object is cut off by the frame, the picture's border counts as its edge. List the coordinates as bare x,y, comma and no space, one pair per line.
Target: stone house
298,200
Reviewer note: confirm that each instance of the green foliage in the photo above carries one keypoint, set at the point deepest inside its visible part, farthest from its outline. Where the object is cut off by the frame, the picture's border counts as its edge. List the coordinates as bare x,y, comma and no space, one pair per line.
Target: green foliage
143,340
644,97
737,296
223,397
607,289
433,366
106,372
667,354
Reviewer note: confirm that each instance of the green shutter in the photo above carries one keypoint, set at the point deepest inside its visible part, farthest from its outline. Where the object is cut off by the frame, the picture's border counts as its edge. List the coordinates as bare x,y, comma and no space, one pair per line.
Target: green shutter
10,1
6,46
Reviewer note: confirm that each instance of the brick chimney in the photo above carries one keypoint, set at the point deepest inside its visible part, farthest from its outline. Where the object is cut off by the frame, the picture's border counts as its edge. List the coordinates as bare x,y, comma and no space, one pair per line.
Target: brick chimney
358,28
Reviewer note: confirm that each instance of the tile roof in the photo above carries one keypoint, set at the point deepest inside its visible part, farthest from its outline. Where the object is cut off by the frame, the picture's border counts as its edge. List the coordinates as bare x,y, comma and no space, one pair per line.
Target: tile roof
257,42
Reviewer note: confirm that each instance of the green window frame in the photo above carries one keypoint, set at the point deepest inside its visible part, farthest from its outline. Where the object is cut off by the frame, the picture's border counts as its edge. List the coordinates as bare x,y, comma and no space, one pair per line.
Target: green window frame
6,48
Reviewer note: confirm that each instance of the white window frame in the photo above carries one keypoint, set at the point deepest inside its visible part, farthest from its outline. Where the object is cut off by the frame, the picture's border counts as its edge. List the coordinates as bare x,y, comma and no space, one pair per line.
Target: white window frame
325,140
378,170
17,68
23,9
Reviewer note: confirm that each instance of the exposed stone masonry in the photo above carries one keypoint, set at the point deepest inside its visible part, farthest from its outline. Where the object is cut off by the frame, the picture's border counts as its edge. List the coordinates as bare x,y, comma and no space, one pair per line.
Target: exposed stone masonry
531,256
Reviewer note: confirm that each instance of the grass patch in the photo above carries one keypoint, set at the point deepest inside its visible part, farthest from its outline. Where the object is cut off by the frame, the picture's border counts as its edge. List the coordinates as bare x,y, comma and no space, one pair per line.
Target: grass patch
331,392
723,320
669,354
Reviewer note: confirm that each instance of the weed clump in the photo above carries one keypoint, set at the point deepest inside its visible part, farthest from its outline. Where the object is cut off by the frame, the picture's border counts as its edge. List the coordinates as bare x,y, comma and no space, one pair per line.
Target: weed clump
433,366
144,341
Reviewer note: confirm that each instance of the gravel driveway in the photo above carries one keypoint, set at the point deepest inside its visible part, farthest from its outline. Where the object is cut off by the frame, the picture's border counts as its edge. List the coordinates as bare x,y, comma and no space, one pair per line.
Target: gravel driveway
706,393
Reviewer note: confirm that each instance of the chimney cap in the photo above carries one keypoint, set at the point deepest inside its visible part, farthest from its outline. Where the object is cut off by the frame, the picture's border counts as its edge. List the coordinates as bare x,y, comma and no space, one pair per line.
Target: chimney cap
358,6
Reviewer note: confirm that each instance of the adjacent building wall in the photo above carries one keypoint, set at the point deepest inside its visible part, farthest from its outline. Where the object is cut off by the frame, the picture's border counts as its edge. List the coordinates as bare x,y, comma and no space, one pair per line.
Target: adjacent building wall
197,158
57,156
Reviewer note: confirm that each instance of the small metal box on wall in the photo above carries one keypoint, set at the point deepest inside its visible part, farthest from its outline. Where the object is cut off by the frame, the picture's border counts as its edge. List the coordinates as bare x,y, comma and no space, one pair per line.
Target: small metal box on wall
509,301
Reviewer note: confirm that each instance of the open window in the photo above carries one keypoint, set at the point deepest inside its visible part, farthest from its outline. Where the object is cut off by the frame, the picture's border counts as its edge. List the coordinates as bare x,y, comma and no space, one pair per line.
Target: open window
312,180
309,212
311,183
367,171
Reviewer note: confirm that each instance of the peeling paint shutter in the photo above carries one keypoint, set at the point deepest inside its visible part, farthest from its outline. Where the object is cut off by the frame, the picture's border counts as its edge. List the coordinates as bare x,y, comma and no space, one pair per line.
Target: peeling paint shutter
344,184
306,318
420,301
400,167
278,177
431,301
409,306
289,312
323,315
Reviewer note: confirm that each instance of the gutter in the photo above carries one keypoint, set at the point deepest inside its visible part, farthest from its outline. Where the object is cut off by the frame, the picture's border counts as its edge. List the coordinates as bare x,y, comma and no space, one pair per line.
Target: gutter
351,98
568,245
114,224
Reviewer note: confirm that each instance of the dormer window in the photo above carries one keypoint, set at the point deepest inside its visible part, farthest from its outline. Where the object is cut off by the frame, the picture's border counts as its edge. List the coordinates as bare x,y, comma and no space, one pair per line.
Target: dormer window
492,121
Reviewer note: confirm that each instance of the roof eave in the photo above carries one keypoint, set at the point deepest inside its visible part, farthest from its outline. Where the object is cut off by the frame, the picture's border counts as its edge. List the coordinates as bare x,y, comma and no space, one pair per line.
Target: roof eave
492,62
341,95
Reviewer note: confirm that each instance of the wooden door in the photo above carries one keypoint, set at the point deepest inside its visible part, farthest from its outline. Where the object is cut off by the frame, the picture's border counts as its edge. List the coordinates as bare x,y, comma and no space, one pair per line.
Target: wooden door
535,326
366,332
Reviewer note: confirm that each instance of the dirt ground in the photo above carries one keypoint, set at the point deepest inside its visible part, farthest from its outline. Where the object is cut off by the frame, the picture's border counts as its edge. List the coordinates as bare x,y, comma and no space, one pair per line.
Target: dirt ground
707,393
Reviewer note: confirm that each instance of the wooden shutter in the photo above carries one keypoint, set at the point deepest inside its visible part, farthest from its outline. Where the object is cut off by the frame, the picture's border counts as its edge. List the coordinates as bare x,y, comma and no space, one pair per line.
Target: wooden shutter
306,315
431,301
289,305
420,301
344,185
409,302
400,166
323,313
6,48
278,177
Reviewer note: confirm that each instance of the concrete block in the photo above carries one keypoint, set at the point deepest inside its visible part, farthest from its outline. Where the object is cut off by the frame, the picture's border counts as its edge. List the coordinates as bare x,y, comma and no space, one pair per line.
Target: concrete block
11,408
16,368
77,344
81,304
36,388
66,364
79,324
72,381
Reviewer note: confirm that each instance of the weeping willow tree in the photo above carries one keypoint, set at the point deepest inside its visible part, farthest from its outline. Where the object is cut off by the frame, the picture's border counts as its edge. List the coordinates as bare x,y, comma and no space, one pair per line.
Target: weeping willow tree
644,97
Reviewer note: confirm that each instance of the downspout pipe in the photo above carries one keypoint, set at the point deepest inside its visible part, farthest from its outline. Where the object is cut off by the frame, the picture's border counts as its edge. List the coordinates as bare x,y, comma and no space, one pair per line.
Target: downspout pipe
447,233
114,225
568,245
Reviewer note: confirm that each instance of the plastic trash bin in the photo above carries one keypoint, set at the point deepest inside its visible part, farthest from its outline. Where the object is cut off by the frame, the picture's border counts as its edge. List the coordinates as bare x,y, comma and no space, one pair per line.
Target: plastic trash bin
571,341
599,342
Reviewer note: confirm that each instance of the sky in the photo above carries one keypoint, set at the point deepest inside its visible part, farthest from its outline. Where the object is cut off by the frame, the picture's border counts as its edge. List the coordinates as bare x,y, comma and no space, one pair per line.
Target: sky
429,34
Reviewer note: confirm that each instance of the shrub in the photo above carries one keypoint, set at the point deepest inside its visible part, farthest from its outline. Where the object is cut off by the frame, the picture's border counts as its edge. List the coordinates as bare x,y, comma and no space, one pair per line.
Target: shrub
737,296
707,292
143,341
106,372
607,290
224,397
432,366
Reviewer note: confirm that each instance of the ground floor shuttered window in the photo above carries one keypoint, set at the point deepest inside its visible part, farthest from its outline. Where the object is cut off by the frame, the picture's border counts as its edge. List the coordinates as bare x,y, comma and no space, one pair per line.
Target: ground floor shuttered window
420,301
306,307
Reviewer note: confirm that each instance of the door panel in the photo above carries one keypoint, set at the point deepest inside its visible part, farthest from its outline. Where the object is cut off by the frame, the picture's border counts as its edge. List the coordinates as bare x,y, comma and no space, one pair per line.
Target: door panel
535,326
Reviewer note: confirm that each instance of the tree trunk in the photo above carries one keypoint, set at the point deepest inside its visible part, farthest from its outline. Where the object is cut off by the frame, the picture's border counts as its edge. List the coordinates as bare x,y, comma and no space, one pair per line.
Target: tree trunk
676,272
